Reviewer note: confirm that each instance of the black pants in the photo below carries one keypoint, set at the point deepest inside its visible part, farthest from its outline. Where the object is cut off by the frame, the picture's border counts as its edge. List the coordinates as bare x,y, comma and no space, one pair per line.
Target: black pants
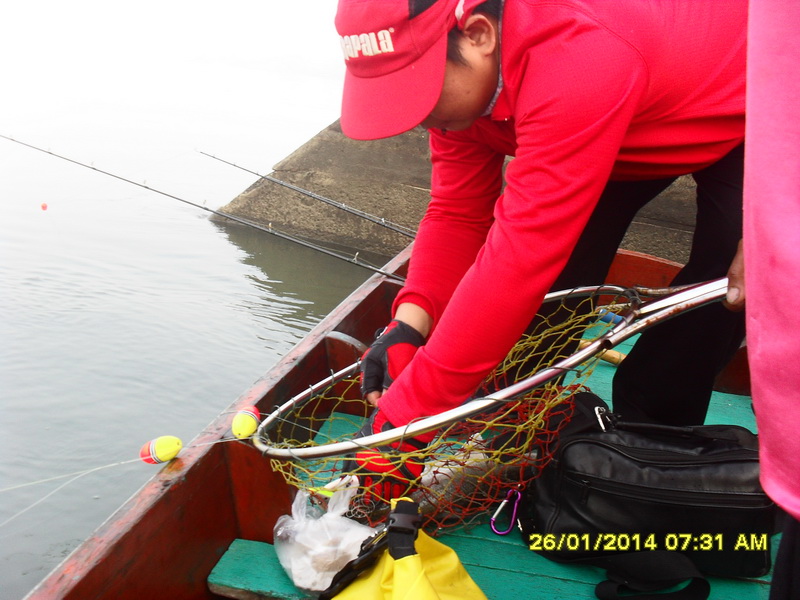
668,376
786,574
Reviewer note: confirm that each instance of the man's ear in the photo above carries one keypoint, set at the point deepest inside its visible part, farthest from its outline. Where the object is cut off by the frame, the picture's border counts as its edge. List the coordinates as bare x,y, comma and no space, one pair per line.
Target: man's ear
481,32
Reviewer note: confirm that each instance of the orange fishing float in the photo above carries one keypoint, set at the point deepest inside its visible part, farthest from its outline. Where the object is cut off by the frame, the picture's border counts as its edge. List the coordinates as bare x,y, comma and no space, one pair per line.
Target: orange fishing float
161,449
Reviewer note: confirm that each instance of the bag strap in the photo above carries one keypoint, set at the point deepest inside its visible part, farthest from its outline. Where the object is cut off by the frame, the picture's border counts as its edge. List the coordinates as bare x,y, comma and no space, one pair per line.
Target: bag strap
404,523
644,572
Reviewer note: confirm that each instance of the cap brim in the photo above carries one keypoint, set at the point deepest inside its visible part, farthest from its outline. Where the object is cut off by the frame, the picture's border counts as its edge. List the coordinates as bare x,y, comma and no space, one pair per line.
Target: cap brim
381,107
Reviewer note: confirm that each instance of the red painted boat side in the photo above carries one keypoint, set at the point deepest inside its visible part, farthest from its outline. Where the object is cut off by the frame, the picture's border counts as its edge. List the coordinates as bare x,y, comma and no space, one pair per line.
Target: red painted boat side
635,268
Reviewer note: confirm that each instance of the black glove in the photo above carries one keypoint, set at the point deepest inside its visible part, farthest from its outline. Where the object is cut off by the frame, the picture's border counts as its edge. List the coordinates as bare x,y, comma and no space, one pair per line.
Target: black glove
390,353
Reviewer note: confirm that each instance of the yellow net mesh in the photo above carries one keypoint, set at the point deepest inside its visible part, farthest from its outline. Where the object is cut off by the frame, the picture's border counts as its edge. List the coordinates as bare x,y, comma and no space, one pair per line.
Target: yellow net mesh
470,465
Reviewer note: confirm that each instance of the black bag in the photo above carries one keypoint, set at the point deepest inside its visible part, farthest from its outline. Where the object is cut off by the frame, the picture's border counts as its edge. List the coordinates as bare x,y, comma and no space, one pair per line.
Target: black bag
616,494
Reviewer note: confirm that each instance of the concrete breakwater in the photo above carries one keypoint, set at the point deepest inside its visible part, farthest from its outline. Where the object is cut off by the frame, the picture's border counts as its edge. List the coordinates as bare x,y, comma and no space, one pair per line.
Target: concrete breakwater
391,179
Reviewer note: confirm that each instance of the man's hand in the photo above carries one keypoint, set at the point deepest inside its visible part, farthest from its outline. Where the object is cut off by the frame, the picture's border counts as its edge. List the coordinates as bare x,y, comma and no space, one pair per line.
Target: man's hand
389,354
389,471
736,289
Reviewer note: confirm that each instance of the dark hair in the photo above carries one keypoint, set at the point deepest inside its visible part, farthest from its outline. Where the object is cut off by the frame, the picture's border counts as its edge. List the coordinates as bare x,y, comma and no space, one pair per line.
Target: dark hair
491,8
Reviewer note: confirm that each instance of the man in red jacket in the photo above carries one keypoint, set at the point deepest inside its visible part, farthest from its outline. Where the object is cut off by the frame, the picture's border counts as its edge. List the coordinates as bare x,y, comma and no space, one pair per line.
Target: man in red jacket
602,105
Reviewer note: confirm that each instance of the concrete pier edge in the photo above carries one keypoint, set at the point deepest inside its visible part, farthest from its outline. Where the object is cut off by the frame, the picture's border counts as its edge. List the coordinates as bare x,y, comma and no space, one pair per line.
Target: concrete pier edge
390,179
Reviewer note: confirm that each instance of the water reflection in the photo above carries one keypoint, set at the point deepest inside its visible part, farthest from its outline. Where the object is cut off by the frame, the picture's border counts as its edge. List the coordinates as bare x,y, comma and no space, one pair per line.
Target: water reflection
307,282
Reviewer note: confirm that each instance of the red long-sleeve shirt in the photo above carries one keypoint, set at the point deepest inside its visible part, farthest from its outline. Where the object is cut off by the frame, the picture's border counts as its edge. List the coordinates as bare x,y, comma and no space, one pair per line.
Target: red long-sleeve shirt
592,91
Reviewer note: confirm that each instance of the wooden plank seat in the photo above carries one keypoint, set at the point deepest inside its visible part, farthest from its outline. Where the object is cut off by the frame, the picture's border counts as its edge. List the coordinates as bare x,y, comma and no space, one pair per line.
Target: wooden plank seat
502,566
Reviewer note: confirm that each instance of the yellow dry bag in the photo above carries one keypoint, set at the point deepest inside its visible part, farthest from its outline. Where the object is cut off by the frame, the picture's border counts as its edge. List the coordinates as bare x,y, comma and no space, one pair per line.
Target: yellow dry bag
410,566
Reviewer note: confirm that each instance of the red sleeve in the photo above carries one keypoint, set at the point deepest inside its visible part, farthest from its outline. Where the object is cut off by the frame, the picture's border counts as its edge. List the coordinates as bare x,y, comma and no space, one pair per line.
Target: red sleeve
457,220
572,108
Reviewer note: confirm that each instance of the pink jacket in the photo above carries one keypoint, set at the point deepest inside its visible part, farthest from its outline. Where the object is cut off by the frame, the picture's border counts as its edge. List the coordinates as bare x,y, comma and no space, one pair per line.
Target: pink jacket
772,244
635,89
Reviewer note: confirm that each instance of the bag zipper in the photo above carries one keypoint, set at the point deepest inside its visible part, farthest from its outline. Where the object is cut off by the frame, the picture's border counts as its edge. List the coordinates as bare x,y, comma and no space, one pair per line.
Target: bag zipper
657,457
709,499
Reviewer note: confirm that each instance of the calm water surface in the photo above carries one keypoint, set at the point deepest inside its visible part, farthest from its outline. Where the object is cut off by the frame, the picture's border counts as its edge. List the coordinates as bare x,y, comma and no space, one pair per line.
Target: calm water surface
122,321
125,315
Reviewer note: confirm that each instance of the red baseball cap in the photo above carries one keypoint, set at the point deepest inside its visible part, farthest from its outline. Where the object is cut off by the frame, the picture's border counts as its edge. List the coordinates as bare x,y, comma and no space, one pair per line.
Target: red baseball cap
395,53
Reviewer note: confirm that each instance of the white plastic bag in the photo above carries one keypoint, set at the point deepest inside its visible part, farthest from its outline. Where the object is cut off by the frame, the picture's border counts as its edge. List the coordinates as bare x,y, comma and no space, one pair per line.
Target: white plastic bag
313,545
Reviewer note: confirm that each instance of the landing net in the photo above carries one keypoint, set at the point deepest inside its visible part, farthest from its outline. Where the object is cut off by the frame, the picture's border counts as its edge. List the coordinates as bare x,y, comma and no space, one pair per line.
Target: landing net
471,465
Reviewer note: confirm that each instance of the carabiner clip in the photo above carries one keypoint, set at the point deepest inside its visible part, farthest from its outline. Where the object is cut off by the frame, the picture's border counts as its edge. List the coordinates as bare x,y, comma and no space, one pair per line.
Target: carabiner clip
514,492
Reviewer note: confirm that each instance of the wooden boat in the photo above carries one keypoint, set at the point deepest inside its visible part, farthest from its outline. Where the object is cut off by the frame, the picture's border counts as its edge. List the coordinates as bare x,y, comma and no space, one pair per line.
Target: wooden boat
219,497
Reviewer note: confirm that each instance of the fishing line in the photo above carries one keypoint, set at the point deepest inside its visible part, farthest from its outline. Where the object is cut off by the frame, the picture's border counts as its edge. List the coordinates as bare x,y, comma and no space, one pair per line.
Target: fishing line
93,469
75,475
353,260
401,229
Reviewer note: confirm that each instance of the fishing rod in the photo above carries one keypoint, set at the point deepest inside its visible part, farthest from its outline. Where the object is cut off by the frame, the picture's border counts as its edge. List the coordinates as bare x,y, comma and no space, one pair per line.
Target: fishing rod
350,259
401,229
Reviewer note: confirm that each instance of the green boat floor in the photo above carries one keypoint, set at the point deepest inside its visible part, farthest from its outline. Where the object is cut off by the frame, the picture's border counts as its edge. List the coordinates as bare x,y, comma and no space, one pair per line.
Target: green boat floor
502,566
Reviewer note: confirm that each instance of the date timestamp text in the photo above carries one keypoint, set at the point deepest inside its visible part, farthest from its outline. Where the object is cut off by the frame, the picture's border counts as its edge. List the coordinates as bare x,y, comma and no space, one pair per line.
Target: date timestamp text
636,542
